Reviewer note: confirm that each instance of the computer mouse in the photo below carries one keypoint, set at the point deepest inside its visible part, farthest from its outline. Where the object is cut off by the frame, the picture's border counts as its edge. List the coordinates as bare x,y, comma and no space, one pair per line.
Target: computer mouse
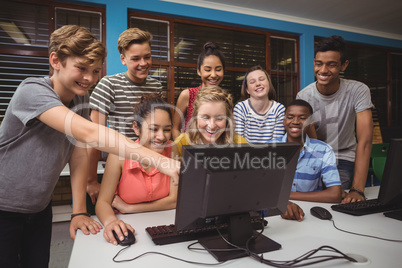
320,213
128,240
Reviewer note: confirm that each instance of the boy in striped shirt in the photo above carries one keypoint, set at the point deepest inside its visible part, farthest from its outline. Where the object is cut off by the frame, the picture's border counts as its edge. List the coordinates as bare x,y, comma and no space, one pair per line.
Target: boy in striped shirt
115,96
316,178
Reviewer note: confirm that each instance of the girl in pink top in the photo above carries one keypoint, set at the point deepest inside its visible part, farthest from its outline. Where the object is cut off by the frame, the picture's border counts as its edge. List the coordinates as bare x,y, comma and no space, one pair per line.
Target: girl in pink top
210,67
129,186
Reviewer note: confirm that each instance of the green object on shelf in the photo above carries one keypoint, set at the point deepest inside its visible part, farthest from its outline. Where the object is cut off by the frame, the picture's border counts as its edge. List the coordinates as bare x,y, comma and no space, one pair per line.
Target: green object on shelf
379,153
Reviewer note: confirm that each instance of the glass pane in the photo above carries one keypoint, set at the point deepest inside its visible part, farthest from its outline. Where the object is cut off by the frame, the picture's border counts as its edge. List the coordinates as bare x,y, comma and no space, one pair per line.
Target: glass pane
14,69
365,63
232,82
283,55
379,99
23,25
241,49
90,20
184,78
188,78
396,61
160,37
284,89
160,74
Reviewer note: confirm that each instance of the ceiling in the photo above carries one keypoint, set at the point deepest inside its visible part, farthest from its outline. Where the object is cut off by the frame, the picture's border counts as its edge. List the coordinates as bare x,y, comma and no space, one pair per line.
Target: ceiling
374,17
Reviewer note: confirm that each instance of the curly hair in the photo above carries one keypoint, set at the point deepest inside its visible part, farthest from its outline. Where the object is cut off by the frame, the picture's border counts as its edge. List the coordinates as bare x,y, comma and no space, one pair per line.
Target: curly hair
76,41
213,94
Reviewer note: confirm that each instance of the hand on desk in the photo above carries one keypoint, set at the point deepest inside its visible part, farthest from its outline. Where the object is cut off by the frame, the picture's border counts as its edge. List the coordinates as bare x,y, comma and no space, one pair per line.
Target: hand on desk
120,227
293,212
86,224
351,197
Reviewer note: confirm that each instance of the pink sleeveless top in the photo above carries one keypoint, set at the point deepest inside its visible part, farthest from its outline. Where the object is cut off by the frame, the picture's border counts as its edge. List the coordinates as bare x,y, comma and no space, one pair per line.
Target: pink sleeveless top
138,186
190,109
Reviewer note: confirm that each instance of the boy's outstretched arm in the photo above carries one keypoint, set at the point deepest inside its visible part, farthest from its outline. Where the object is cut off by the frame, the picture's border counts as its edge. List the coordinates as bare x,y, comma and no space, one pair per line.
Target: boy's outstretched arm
106,139
78,175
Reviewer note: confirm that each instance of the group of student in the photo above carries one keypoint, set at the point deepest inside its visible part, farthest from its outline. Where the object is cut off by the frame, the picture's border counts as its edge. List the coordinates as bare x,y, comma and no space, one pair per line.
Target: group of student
48,124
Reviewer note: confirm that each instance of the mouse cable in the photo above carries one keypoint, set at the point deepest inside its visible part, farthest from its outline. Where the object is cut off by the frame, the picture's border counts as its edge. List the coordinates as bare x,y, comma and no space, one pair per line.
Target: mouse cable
160,253
371,236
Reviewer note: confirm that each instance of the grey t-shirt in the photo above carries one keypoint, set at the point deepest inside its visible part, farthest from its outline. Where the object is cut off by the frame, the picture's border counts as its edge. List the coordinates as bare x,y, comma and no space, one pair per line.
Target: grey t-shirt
335,115
32,154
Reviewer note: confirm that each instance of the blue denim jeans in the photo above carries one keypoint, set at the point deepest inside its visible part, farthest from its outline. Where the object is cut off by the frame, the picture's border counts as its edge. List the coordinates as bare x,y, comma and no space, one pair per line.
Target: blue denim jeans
346,169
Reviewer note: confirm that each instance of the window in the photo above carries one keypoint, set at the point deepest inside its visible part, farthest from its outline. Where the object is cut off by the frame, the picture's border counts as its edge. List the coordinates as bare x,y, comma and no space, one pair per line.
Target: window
177,43
284,68
396,89
24,35
90,20
370,66
25,28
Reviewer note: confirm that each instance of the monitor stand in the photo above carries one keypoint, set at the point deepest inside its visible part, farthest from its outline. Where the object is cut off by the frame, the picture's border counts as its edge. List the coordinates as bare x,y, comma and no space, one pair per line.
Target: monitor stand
239,231
395,214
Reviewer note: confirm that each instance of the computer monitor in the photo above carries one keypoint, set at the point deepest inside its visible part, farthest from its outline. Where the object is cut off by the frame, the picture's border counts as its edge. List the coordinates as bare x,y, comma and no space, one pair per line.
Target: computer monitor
229,183
391,184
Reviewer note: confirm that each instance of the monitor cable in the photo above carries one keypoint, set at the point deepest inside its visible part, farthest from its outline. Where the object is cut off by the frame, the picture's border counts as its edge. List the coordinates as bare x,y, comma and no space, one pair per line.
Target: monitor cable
304,260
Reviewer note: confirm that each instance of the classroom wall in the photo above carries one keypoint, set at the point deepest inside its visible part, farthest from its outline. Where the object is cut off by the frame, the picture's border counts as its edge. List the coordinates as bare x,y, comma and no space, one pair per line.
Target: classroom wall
116,22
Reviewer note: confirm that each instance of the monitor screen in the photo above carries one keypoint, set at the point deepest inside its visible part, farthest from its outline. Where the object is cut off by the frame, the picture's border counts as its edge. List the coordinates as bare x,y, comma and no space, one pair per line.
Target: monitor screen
391,184
231,182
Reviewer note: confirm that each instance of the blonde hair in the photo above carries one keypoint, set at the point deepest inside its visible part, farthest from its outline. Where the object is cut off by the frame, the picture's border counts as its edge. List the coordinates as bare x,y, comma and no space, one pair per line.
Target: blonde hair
132,36
212,94
76,41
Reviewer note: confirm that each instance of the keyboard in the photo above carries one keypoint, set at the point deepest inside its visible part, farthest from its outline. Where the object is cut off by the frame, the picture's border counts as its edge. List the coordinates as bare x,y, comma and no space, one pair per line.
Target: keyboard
167,234
364,207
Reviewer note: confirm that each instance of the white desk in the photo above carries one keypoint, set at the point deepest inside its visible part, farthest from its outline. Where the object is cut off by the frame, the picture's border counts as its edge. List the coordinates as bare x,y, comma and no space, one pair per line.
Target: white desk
295,237
100,169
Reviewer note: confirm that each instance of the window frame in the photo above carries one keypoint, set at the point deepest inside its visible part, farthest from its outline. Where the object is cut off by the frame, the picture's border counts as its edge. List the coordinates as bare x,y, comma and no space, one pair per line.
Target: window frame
171,64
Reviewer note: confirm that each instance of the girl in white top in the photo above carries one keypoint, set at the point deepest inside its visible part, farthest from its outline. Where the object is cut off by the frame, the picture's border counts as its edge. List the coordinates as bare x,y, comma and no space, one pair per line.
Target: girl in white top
259,118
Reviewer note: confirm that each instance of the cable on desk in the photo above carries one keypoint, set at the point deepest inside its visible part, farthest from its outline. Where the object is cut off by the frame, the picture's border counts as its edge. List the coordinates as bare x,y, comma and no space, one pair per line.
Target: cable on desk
304,260
160,253
365,235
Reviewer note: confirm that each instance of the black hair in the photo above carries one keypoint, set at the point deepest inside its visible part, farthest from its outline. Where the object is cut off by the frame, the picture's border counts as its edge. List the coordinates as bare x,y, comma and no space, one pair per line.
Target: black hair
148,104
210,48
332,43
300,102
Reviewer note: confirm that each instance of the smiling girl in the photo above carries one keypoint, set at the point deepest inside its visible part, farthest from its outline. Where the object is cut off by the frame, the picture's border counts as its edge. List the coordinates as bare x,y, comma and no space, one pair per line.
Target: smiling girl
140,187
210,67
259,118
212,121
